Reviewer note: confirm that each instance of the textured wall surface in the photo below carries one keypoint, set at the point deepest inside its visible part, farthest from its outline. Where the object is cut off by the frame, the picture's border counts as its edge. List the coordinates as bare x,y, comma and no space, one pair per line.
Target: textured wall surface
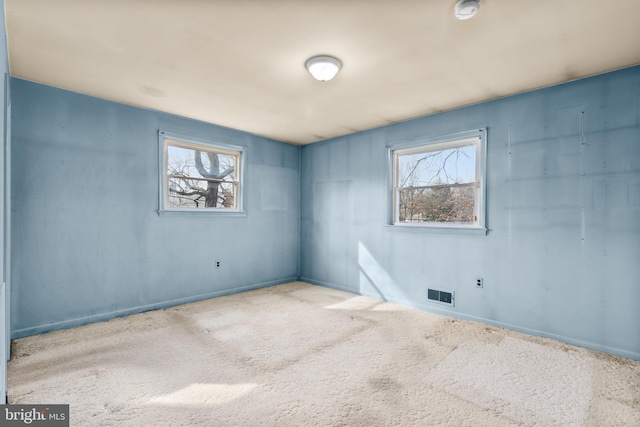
561,257
5,137
89,244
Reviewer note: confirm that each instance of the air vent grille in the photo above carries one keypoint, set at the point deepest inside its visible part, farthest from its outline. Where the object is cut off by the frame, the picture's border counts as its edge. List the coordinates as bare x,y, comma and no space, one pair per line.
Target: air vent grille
442,297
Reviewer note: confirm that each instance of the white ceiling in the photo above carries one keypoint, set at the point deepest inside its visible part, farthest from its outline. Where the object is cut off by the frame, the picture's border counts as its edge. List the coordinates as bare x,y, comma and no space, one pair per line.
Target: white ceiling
240,63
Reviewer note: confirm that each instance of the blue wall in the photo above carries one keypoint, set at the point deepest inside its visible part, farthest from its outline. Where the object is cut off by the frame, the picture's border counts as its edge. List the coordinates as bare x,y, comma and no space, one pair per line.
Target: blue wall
562,255
89,244
560,258
5,145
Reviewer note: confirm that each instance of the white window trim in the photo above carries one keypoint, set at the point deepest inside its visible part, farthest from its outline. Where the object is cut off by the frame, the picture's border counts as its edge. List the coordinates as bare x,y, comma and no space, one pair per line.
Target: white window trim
194,142
436,143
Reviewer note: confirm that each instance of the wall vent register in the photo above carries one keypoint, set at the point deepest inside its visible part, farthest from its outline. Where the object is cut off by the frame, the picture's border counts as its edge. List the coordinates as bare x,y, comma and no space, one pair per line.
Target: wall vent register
442,297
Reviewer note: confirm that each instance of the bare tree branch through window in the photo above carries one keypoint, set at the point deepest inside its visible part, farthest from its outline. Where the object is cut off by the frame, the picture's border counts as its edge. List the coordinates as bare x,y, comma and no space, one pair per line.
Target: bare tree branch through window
201,177
436,185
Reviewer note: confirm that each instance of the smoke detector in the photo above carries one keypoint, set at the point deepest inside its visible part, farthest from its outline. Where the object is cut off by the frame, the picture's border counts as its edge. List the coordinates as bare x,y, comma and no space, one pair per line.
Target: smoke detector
466,9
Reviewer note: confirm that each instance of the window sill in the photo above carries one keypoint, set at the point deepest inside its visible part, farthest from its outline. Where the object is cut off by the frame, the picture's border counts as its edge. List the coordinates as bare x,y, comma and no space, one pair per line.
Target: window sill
469,231
200,212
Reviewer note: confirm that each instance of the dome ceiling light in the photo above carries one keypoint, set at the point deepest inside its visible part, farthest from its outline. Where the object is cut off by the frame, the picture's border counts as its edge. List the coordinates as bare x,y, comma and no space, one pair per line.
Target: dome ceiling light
323,68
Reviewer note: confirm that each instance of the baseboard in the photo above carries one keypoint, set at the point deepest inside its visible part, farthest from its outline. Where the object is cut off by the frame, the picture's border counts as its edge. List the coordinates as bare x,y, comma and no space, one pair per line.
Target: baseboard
72,323
450,313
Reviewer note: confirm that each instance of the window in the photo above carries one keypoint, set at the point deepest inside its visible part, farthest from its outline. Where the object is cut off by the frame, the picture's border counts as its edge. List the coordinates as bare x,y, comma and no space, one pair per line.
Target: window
440,183
199,176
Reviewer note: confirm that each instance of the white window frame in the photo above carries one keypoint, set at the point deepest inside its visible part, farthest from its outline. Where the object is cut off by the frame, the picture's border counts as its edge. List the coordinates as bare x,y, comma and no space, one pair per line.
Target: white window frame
167,139
440,143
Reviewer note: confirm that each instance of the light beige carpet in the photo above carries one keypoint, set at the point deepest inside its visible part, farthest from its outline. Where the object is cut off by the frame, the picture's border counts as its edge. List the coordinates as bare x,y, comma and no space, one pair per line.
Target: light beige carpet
302,355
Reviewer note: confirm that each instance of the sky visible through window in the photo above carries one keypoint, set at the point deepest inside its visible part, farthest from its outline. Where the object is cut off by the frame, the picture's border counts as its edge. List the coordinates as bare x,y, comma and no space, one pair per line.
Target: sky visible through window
449,166
185,157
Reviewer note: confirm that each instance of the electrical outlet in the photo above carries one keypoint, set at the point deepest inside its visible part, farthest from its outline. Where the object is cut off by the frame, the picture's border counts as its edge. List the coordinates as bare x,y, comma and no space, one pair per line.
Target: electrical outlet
217,264
479,282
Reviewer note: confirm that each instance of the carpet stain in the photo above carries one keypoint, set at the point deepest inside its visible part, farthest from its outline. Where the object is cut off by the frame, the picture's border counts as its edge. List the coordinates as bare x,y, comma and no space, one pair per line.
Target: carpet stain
385,383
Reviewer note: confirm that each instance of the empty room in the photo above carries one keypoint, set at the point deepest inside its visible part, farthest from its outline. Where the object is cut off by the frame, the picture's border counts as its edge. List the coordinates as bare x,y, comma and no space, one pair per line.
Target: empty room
320,213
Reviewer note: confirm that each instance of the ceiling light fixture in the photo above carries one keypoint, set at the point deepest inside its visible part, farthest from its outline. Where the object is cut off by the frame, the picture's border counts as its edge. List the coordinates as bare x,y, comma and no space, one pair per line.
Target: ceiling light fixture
323,68
466,9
